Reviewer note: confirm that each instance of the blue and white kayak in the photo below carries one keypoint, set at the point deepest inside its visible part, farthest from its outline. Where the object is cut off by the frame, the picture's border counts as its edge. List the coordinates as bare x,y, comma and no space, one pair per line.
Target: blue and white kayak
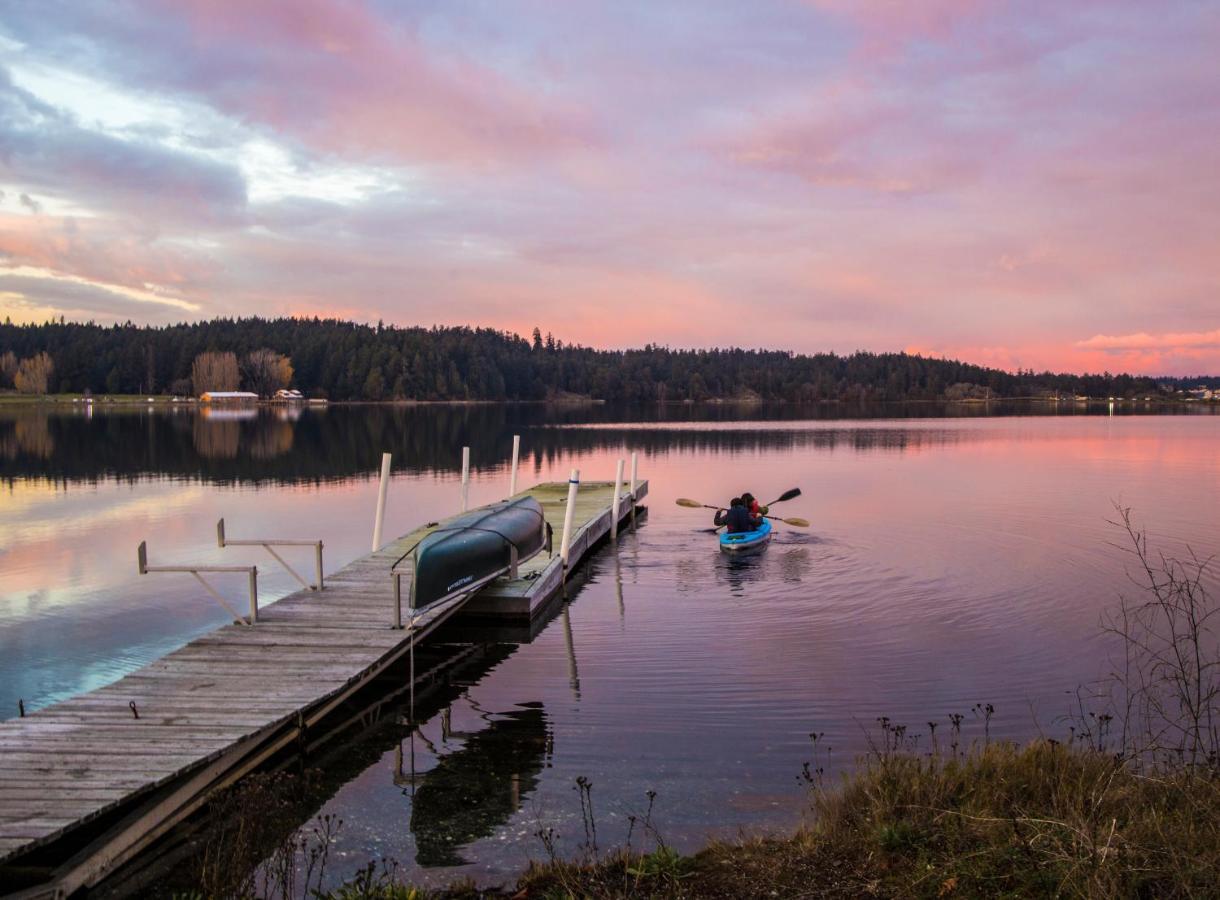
746,541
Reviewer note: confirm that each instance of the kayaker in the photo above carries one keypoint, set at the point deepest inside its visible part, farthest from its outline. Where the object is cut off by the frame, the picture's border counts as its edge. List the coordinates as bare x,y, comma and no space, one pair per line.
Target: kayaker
755,508
737,517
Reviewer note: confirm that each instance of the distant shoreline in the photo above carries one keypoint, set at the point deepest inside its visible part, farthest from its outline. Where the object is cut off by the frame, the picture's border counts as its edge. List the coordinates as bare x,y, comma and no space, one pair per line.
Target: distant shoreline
11,398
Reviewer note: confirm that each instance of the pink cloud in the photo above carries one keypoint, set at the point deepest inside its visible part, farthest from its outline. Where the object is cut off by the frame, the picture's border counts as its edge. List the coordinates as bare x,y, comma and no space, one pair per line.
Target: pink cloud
101,251
345,79
888,25
850,145
928,16
1059,357
1143,341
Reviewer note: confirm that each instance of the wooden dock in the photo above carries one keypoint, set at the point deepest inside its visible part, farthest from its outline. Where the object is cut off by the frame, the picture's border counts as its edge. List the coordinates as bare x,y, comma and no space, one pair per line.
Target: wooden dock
87,784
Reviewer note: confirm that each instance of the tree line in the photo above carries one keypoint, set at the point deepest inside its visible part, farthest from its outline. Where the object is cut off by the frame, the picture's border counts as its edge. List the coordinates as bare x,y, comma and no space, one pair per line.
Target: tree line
348,361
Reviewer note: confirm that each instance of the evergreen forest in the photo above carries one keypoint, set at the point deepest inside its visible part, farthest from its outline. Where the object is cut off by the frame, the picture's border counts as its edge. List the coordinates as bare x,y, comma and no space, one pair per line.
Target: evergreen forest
341,360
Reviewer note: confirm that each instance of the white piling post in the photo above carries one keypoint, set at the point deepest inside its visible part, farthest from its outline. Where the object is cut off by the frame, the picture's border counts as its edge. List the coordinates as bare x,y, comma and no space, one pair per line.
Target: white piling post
618,489
569,516
635,475
465,478
381,492
512,480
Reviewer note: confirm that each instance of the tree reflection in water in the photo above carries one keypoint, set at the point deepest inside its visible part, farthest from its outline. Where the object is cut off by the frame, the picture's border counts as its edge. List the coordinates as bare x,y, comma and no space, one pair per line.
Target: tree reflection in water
293,444
472,791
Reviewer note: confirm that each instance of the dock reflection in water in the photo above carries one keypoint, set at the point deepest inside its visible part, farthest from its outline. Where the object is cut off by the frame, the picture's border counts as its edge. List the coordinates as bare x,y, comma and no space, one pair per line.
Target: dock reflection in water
473,790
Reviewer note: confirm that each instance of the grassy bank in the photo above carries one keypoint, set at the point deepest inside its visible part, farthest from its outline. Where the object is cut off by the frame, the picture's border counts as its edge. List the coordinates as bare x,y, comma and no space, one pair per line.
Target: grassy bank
12,398
1045,820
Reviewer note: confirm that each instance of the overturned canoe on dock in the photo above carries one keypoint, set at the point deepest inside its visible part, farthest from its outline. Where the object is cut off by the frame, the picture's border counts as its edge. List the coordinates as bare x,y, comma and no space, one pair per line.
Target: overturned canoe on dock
474,548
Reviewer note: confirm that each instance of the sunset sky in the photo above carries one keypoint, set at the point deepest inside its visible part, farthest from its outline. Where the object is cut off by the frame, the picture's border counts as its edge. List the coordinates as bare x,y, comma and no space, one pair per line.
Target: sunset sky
1015,184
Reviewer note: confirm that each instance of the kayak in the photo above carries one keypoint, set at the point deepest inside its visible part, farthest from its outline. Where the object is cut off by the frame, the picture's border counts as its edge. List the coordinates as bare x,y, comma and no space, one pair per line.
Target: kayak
474,548
746,541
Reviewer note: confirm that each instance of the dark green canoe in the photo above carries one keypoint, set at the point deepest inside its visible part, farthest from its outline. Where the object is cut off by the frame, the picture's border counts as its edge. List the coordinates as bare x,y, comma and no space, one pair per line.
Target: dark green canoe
476,547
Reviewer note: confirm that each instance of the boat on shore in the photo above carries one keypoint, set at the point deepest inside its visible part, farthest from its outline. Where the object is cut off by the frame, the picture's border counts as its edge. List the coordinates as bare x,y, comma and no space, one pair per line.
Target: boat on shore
475,548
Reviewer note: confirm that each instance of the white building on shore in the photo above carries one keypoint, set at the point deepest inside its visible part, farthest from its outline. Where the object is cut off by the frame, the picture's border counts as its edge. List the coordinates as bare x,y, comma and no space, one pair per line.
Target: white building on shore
228,397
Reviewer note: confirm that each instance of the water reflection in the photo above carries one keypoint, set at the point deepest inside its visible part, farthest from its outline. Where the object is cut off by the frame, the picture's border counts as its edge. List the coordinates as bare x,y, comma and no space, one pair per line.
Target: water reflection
472,791
618,580
295,444
794,562
216,438
573,672
30,435
740,573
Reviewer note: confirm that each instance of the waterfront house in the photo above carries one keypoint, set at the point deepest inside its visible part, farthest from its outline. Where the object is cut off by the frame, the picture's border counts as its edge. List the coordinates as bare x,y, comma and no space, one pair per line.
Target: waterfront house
228,397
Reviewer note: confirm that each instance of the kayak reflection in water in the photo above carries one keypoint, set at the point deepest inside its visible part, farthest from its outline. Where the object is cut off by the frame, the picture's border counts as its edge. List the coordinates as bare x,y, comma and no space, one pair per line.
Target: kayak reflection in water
737,517
474,790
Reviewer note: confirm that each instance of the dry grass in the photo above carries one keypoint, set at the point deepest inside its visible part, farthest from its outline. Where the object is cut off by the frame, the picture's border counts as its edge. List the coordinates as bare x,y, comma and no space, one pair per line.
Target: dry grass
1041,821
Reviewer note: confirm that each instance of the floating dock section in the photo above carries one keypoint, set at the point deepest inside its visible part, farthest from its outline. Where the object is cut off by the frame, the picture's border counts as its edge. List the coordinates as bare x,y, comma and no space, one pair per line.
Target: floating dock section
89,783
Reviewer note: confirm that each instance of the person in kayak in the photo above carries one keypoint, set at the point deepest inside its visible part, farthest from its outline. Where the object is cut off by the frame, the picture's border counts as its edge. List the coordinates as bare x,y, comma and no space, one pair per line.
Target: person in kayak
755,508
737,517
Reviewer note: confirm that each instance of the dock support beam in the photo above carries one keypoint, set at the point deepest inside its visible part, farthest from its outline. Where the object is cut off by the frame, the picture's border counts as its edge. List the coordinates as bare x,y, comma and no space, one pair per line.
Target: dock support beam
465,478
223,541
635,476
252,571
381,492
512,479
569,515
614,502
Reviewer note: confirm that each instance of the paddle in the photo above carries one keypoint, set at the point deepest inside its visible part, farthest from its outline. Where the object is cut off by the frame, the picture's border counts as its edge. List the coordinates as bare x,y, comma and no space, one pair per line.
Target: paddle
786,495
695,504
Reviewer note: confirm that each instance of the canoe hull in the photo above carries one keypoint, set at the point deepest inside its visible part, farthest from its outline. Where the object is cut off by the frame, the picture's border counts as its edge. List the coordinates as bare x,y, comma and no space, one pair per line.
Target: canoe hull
743,542
475,548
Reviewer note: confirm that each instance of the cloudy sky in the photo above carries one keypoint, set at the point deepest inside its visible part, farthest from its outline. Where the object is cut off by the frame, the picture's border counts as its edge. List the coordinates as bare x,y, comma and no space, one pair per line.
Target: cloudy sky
1017,184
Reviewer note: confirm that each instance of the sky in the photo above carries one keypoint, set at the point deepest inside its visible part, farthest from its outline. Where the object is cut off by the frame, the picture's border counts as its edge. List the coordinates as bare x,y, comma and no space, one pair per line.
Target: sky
1025,185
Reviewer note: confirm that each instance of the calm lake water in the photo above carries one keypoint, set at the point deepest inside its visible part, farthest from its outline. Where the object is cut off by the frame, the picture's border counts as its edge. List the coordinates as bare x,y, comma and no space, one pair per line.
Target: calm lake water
953,560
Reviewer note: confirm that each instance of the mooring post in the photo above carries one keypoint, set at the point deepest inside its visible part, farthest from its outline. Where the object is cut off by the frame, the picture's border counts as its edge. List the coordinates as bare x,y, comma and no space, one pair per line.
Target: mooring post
397,602
635,475
569,516
381,492
618,489
465,478
253,594
512,480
